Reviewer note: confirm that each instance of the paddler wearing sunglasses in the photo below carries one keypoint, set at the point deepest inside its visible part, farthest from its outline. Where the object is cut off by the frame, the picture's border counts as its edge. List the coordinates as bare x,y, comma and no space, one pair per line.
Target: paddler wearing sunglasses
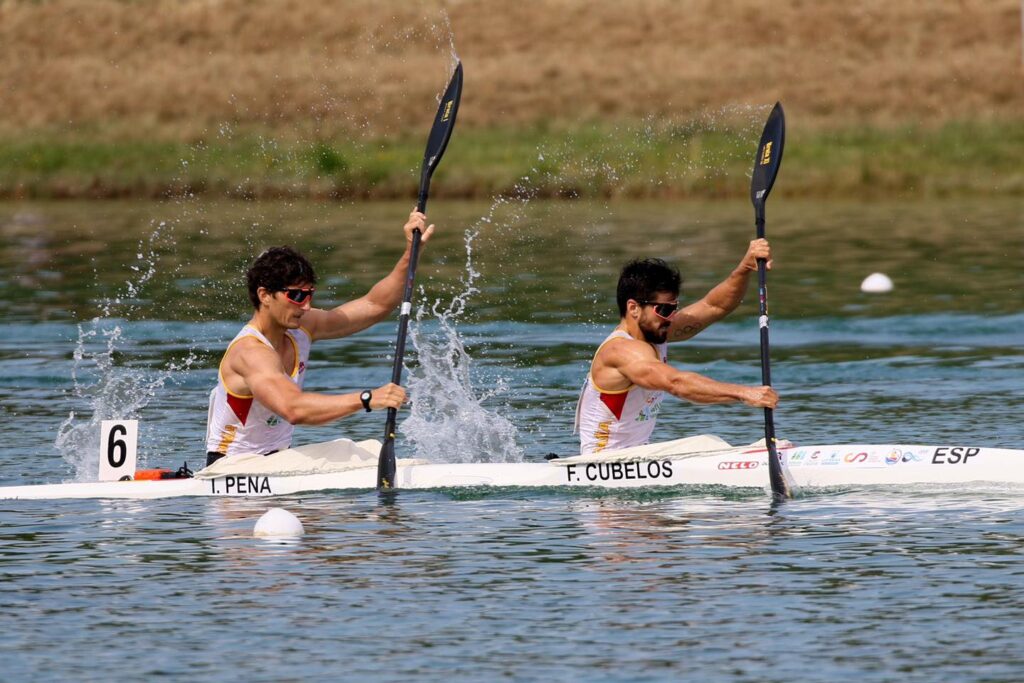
630,374
259,398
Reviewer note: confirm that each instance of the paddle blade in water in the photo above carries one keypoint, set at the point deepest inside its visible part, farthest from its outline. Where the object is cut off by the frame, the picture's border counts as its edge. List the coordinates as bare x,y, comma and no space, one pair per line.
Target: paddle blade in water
769,156
386,465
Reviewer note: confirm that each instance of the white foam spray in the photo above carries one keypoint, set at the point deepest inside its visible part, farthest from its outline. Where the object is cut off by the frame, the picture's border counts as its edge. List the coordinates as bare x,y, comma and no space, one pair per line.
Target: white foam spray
450,420
103,389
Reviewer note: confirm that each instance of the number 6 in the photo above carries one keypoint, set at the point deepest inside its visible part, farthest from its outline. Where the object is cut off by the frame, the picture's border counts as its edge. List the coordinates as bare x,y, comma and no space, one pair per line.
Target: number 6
117,449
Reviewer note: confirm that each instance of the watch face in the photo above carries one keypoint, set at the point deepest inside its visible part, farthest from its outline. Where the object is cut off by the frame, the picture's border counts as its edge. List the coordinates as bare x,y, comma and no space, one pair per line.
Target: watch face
365,396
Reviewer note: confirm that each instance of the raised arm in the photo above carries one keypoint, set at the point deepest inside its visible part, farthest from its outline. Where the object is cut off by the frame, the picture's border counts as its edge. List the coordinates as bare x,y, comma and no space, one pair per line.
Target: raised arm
377,304
723,297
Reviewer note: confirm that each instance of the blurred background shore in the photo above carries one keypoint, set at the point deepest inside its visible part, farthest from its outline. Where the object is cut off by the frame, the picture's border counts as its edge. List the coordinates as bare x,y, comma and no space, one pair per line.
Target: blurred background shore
563,98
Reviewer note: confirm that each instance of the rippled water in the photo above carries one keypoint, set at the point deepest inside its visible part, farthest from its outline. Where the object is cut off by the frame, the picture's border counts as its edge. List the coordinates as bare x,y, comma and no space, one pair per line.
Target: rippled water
525,585
701,584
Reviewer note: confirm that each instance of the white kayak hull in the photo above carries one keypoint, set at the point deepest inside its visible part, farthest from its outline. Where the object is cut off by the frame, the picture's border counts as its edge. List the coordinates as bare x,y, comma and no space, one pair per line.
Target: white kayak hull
842,465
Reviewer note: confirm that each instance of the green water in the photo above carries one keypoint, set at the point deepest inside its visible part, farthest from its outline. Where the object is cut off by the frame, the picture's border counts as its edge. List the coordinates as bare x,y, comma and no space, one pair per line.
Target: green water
541,261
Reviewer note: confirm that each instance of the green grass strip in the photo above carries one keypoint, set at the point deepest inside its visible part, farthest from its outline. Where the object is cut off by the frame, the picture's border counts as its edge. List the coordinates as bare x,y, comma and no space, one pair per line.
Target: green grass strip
630,161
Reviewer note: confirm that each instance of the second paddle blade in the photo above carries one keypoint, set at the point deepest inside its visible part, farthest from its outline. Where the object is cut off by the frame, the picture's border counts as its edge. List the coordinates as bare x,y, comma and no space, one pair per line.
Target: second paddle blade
769,156
444,120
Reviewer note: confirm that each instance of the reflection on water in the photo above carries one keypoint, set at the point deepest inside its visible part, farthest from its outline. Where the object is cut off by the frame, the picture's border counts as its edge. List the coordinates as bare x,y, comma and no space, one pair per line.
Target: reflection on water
539,261
564,586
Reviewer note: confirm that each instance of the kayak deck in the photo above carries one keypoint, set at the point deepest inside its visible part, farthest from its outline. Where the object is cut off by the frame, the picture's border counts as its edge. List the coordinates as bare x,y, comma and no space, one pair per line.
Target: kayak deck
805,466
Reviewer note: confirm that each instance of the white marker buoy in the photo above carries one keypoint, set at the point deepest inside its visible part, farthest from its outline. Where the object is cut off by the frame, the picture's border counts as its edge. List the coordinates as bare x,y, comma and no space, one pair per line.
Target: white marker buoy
278,522
876,283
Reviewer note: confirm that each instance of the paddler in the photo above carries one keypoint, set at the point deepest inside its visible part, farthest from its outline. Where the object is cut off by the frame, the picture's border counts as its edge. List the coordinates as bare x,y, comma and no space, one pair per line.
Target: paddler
630,374
259,398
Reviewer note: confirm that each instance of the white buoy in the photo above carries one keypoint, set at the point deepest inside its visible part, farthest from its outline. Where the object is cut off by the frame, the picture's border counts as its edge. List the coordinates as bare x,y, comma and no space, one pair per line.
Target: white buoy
278,522
876,283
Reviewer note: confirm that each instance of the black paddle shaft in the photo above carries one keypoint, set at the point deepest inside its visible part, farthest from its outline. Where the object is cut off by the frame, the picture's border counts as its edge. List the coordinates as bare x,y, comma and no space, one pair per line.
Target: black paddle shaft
766,168
440,134
775,466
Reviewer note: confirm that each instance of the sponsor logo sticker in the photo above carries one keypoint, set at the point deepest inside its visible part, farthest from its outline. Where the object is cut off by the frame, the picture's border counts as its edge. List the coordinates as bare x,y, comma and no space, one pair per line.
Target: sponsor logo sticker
738,465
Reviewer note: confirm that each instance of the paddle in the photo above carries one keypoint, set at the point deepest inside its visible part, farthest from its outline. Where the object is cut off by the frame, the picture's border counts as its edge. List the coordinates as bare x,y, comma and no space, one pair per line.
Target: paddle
766,167
440,133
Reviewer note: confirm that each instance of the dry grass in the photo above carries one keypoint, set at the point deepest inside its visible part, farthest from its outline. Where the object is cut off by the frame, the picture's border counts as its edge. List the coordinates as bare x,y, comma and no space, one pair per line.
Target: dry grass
172,69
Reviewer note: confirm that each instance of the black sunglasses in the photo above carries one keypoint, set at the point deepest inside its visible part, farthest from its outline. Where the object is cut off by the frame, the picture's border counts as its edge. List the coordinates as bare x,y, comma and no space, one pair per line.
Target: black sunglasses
296,295
662,309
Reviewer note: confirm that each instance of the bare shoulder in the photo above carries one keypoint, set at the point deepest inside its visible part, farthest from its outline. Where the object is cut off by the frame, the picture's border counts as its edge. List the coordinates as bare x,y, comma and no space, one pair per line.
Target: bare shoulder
618,351
615,366
248,353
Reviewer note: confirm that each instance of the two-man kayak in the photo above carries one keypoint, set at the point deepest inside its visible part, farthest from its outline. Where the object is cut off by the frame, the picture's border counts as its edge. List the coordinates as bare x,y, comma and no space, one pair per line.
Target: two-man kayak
693,461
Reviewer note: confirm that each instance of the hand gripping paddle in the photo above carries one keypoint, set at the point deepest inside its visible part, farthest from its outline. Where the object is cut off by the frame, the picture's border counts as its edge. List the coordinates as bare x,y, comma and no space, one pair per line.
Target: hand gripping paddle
440,133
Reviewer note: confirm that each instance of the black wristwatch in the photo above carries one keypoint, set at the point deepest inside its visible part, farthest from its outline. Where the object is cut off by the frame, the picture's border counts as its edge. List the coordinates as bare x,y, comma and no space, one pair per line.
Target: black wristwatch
365,398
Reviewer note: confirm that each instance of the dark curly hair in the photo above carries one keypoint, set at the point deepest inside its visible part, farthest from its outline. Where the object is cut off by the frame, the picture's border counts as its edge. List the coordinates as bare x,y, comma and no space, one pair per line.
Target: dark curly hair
641,279
275,269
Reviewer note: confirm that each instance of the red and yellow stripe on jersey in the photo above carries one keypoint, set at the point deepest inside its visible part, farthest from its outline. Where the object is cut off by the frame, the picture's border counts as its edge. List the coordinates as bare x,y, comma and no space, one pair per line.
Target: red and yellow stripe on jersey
241,424
617,419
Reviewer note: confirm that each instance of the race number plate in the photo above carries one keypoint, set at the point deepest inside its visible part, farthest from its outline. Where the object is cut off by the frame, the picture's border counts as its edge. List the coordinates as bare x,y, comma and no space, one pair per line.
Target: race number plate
118,449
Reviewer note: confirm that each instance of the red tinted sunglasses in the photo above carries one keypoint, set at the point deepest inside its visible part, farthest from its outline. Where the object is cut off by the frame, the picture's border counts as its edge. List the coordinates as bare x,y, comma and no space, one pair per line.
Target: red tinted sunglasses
662,309
298,296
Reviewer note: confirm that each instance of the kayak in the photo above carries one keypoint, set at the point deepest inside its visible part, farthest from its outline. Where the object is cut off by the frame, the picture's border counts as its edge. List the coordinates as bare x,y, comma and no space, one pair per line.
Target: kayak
695,461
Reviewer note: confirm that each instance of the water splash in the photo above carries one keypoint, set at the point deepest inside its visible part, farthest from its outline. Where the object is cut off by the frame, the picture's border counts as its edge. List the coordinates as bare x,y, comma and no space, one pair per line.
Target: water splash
449,421
444,31
103,388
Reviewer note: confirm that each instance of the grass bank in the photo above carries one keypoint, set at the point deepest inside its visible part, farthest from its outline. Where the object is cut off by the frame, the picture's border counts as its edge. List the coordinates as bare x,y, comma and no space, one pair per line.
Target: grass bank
106,98
627,161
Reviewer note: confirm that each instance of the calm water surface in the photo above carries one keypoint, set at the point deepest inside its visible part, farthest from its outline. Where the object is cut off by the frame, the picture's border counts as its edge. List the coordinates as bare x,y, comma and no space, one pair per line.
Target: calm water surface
122,310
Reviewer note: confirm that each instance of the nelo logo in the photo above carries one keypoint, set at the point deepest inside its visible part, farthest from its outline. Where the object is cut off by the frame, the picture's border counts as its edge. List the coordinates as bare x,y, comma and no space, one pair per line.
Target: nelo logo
738,465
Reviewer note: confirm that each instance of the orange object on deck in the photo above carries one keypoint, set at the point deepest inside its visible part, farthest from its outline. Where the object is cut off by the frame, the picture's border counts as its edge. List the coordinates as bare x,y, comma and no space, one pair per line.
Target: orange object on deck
154,475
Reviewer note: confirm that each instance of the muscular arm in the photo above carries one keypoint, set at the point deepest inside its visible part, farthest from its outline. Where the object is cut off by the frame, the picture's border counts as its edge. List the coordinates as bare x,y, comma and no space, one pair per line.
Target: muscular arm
375,305
687,385
723,297
635,362
359,314
253,367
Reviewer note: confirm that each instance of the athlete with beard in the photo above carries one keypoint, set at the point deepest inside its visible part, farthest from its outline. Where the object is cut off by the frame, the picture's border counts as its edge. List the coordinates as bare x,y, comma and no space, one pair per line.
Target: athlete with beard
630,373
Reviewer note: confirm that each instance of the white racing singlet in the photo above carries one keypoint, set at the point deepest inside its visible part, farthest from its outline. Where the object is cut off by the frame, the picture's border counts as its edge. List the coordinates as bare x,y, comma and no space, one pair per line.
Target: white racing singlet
241,424
617,419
